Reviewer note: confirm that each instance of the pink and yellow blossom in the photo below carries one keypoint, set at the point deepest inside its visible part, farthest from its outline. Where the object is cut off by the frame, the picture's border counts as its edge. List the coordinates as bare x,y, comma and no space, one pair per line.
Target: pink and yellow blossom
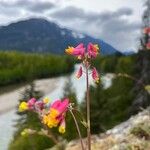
78,51
93,50
62,126
95,75
56,114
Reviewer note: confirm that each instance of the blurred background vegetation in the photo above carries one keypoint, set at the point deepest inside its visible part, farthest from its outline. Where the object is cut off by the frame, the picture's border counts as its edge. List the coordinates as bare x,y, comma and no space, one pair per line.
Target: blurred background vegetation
18,67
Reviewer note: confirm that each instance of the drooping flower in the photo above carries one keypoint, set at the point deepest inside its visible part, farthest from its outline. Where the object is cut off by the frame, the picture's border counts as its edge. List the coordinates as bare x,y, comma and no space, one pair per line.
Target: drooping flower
23,106
95,75
56,115
59,107
62,126
78,51
148,45
146,30
31,103
39,105
93,50
79,73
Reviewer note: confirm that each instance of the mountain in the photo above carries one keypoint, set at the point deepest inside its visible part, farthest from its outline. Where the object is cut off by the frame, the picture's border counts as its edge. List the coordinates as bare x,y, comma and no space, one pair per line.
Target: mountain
128,52
40,35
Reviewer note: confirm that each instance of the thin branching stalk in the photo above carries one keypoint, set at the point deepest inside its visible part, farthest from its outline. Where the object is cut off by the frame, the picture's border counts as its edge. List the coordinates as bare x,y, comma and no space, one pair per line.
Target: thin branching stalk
77,126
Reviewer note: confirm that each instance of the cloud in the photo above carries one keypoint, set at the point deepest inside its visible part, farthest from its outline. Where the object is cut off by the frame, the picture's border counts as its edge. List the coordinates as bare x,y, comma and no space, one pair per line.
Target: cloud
114,26
68,13
111,26
72,13
35,6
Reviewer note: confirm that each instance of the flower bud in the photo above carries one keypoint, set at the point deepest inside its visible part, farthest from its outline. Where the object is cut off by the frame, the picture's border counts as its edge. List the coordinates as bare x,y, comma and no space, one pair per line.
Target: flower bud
79,73
95,75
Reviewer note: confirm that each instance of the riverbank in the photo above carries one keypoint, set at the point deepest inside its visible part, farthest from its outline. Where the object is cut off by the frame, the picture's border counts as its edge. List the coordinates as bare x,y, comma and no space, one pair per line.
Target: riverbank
10,99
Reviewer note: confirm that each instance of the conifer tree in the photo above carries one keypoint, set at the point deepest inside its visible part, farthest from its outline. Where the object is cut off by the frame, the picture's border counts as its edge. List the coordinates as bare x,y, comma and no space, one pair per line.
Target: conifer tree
71,132
142,66
29,120
146,23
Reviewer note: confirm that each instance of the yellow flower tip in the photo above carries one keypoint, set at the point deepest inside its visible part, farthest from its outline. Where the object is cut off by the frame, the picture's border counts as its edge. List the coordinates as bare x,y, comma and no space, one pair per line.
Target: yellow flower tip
69,50
147,87
45,119
97,80
79,57
23,106
24,132
46,100
96,46
52,122
61,129
77,76
53,113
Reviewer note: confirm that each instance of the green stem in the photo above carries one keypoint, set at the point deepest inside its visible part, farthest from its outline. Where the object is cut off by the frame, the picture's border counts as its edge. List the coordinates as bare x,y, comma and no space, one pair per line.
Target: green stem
88,110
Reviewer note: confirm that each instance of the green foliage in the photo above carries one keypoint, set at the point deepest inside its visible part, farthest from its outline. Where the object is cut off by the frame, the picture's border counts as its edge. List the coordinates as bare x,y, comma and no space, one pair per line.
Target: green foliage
29,120
126,64
18,67
110,107
71,131
106,63
115,64
31,142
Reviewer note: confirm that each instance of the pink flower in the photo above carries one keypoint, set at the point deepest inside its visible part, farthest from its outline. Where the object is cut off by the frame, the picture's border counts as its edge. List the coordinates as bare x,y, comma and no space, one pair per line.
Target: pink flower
62,126
78,51
95,75
56,115
60,106
79,73
92,50
148,45
39,105
146,30
31,103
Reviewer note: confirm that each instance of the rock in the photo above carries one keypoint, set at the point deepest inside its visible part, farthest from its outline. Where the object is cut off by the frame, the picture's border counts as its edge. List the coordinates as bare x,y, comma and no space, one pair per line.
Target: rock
121,137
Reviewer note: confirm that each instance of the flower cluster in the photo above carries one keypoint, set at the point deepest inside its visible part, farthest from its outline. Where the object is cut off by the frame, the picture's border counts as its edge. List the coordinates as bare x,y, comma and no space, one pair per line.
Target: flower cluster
51,115
56,115
147,32
85,54
33,104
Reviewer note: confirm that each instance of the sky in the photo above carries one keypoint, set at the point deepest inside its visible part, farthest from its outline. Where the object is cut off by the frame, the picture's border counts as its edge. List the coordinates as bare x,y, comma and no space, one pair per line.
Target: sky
117,22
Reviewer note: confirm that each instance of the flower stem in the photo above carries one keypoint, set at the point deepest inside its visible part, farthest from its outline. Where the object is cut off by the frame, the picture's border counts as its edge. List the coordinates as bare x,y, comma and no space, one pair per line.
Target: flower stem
88,110
77,126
